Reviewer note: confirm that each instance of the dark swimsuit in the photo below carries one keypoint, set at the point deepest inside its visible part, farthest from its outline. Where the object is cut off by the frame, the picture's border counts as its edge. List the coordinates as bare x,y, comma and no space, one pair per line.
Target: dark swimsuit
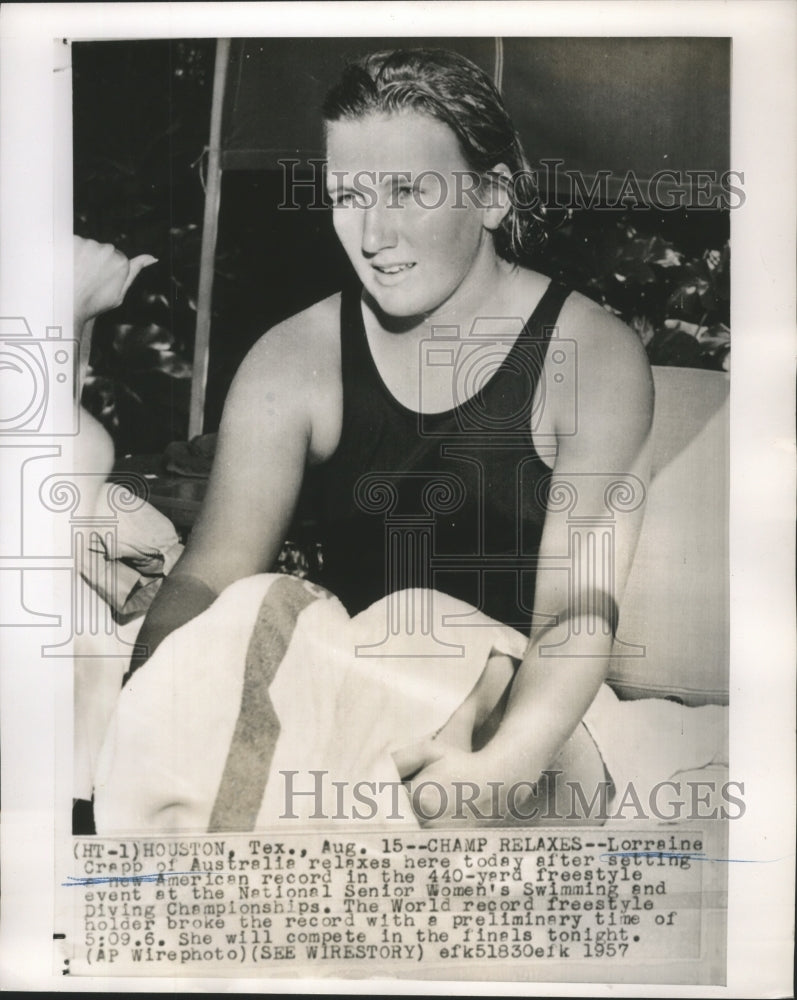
455,500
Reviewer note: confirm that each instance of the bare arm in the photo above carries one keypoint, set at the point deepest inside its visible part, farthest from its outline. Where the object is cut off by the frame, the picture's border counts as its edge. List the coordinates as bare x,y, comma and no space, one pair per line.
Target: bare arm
263,446
594,516
595,509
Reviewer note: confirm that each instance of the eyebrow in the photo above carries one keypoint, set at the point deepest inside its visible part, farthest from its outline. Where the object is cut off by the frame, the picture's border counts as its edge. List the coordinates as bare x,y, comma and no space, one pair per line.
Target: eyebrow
370,178
340,186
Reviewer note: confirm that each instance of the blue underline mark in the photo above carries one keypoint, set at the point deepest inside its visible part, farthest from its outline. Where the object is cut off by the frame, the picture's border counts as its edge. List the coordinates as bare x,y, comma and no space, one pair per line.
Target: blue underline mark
681,855
113,879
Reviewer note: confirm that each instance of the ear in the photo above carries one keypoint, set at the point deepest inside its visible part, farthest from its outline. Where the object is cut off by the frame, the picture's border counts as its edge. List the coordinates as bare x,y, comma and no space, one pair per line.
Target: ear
496,195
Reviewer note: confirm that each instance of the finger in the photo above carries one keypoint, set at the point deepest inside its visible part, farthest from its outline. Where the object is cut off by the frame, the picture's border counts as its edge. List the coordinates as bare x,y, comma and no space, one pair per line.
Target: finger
137,265
458,729
433,796
410,759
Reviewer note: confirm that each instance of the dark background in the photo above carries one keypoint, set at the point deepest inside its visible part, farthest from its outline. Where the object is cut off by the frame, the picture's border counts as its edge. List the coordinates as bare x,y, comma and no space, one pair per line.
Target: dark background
141,123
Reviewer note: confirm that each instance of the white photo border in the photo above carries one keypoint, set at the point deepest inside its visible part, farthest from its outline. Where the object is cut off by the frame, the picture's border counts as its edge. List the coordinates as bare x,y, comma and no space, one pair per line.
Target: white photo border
35,216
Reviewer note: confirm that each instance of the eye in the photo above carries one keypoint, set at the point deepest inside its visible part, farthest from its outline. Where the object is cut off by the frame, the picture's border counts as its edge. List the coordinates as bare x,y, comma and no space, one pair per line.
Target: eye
344,199
402,193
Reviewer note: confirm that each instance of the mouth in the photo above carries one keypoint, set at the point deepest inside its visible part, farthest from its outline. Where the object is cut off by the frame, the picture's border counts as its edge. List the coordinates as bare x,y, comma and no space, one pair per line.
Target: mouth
392,271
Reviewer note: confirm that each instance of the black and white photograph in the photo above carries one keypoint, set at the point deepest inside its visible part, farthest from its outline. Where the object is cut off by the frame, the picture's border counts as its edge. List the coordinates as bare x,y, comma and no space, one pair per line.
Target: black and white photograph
375,493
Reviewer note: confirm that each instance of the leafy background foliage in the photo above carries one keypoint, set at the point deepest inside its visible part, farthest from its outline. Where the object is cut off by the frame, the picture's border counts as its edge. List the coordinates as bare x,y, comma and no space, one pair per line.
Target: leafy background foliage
140,115
141,118
666,275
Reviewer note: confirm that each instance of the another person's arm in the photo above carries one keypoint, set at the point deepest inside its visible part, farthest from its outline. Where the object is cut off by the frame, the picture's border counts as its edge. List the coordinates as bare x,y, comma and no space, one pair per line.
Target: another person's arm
102,277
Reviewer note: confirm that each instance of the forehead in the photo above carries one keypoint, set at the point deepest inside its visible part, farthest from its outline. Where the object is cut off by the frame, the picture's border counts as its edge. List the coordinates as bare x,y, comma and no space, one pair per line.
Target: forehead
403,142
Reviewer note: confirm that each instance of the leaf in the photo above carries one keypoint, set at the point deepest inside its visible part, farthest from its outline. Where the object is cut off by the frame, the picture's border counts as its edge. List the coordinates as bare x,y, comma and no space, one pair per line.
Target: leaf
689,294
669,258
156,298
639,272
707,298
643,328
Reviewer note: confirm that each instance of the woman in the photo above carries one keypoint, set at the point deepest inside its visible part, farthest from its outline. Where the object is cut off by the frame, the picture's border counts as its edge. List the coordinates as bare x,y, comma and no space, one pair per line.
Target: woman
435,367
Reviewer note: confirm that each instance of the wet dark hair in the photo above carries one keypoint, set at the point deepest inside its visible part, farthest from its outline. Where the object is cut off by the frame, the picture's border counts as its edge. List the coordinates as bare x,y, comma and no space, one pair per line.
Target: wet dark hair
450,88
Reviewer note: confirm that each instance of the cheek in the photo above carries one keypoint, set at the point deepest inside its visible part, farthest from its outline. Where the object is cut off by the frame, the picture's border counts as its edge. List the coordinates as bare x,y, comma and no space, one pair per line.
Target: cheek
340,224
453,233
347,225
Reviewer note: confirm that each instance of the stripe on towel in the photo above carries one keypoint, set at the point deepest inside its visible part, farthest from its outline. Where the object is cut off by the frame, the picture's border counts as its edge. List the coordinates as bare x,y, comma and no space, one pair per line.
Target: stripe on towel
243,781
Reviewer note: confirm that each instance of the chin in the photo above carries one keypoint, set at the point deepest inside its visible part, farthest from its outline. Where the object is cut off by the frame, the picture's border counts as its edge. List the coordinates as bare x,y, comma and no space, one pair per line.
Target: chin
403,303
398,308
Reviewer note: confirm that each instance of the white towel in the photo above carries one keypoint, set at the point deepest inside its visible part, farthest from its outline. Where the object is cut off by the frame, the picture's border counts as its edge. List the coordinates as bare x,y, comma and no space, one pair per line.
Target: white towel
651,740
276,678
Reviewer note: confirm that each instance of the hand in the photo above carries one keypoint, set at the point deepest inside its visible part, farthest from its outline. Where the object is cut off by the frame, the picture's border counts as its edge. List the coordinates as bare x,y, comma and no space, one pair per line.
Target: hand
103,275
444,777
449,785
456,777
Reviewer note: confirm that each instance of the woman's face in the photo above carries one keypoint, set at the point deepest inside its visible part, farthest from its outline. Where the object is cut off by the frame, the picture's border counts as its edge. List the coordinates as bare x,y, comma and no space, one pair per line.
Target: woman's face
401,209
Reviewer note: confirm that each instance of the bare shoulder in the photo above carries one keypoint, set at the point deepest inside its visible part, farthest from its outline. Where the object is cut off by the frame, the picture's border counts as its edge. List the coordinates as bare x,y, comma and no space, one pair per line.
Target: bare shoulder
598,331
299,348
610,355
614,381
292,373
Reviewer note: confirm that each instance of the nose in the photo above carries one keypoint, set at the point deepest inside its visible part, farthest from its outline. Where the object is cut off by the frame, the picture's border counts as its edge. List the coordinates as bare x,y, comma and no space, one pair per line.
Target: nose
379,229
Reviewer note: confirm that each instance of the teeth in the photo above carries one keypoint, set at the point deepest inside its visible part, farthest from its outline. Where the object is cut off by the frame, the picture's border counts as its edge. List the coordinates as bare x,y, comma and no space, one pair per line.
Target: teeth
395,269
